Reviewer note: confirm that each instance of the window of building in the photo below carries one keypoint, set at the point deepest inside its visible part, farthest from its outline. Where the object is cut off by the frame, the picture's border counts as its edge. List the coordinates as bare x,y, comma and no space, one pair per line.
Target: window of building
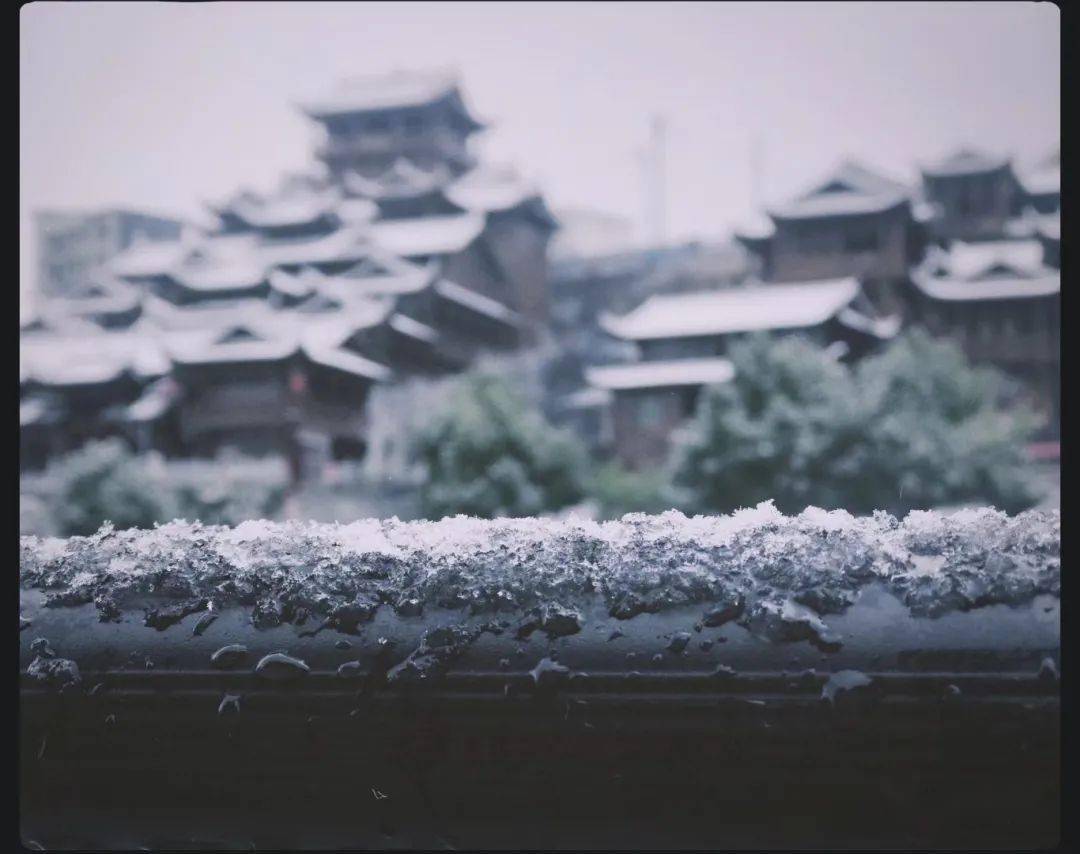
413,124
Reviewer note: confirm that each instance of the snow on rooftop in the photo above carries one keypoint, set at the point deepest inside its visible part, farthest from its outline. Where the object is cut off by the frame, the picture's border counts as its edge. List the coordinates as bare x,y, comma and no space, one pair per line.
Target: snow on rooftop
148,258
406,325
429,235
477,302
966,161
840,203
353,211
403,179
156,399
384,91
220,276
755,227
32,411
668,374
587,398
348,362
883,328
977,260
1043,181
744,309
488,188
348,243
958,290
286,210
89,358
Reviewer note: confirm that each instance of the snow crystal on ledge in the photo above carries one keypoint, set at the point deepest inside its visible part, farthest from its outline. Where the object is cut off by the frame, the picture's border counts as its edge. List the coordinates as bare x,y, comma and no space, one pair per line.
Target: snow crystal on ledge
752,562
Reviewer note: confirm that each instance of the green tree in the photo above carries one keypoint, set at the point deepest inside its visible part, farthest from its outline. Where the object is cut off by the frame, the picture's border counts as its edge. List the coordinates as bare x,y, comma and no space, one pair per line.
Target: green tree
489,454
913,427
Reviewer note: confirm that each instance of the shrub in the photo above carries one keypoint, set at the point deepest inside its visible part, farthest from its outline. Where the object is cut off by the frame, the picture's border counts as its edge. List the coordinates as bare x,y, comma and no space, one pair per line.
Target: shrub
488,453
912,427
105,481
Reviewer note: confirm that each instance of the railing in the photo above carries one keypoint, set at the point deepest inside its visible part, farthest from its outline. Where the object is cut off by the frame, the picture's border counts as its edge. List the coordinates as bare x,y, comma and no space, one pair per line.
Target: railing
753,680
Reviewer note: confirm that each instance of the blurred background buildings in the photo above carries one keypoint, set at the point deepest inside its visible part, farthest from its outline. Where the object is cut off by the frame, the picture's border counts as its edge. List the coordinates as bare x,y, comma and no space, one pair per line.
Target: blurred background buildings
322,322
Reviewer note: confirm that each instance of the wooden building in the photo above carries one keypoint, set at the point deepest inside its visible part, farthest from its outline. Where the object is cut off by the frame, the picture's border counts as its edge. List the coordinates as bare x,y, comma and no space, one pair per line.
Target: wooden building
853,222
682,342
1001,302
405,257
974,195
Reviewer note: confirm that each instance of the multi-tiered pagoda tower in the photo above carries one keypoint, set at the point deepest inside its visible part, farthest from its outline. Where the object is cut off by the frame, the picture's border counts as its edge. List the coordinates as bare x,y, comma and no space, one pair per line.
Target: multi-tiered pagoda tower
399,255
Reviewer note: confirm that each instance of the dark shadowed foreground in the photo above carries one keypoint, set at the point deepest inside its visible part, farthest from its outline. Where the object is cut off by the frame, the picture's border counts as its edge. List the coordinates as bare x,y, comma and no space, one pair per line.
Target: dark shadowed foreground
754,680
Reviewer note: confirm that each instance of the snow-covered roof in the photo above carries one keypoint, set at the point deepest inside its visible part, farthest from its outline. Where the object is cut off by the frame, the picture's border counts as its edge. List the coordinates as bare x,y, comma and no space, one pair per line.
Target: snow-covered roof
406,325
477,302
91,358
232,275
352,211
346,244
488,188
286,210
155,400
1043,181
998,269
1000,258
966,161
755,227
403,179
883,328
348,362
744,309
849,189
668,374
102,296
395,90
33,410
838,203
214,314
1049,226
377,274
429,235
148,258
956,290
587,398
244,342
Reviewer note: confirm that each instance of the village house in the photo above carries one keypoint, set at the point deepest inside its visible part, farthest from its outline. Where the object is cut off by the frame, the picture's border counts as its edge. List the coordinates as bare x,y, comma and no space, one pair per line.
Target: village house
682,343
1000,301
852,222
269,329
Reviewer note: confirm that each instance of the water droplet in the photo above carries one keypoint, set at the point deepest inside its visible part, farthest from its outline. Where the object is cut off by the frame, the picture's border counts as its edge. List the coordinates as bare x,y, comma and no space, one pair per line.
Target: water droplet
230,657
350,670
281,668
229,705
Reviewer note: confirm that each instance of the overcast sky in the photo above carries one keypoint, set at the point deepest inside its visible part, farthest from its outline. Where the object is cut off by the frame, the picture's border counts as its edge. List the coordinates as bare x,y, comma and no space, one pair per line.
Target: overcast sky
166,105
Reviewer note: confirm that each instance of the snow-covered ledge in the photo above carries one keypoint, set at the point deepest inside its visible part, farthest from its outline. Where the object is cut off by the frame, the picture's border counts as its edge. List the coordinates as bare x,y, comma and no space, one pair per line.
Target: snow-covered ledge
755,563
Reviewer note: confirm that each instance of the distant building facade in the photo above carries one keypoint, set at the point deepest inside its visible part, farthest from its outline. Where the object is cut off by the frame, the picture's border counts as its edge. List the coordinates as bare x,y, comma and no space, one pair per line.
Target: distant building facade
73,245
269,330
682,342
